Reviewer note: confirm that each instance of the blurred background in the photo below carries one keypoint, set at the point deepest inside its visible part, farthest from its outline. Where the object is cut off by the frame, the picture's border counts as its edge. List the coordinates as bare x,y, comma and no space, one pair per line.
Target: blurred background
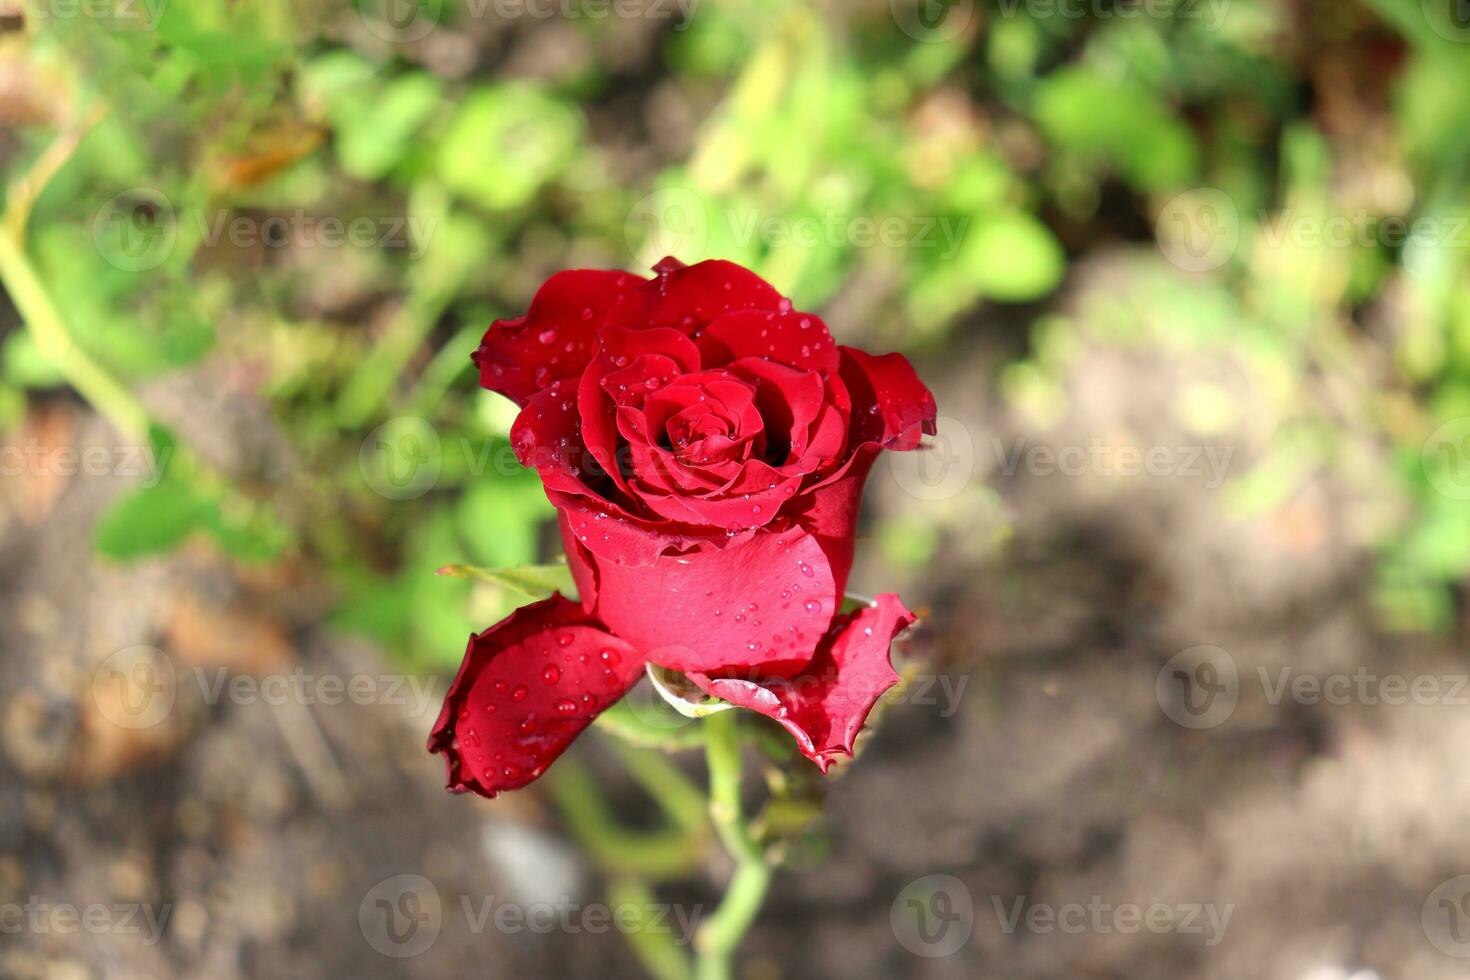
1188,277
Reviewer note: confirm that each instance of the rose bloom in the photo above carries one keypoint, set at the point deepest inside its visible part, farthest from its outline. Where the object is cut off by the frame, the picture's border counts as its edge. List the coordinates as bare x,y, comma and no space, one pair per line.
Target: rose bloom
705,446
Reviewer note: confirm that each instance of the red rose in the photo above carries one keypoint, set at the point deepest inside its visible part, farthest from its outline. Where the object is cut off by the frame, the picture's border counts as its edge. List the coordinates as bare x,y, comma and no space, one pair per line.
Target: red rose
705,446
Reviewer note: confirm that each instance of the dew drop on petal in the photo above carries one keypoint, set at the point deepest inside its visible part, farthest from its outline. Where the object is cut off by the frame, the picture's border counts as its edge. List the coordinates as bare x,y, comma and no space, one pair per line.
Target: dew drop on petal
566,706
519,693
551,673
812,605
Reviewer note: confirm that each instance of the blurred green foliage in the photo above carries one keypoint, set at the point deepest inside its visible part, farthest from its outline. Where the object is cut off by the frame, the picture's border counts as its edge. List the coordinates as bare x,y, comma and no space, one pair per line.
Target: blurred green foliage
216,147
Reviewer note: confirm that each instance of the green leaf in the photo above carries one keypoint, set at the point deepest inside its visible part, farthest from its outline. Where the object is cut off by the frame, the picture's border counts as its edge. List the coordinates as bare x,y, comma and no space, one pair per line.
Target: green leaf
536,581
507,142
149,521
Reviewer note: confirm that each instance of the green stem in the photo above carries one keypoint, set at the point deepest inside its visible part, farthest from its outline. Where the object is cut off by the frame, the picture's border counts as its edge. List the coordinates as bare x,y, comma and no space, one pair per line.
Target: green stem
720,935
53,340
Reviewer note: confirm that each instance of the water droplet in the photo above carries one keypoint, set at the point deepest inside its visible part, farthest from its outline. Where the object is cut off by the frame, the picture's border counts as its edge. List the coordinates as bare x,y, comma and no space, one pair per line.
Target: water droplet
527,726
566,706
784,305
547,336
500,687
551,673
565,640
805,569
512,772
610,657
519,693
812,606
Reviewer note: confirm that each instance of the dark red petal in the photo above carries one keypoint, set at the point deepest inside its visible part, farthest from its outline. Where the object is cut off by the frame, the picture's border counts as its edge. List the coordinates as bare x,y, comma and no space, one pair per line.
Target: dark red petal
688,297
890,405
824,706
555,339
789,400
526,689
609,533
547,437
829,510
800,340
762,598
649,353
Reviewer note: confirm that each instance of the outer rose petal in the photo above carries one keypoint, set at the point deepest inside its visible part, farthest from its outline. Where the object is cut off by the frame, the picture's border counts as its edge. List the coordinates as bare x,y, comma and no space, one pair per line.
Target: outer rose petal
799,340
824,706
528,686
688,297
555,339
761,600
890,405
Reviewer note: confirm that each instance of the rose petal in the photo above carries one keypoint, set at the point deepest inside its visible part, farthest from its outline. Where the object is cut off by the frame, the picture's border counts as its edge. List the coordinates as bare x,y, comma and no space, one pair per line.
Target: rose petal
649,352
527,687
555,338
890,405
688,297
824,706
761,599
799,340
